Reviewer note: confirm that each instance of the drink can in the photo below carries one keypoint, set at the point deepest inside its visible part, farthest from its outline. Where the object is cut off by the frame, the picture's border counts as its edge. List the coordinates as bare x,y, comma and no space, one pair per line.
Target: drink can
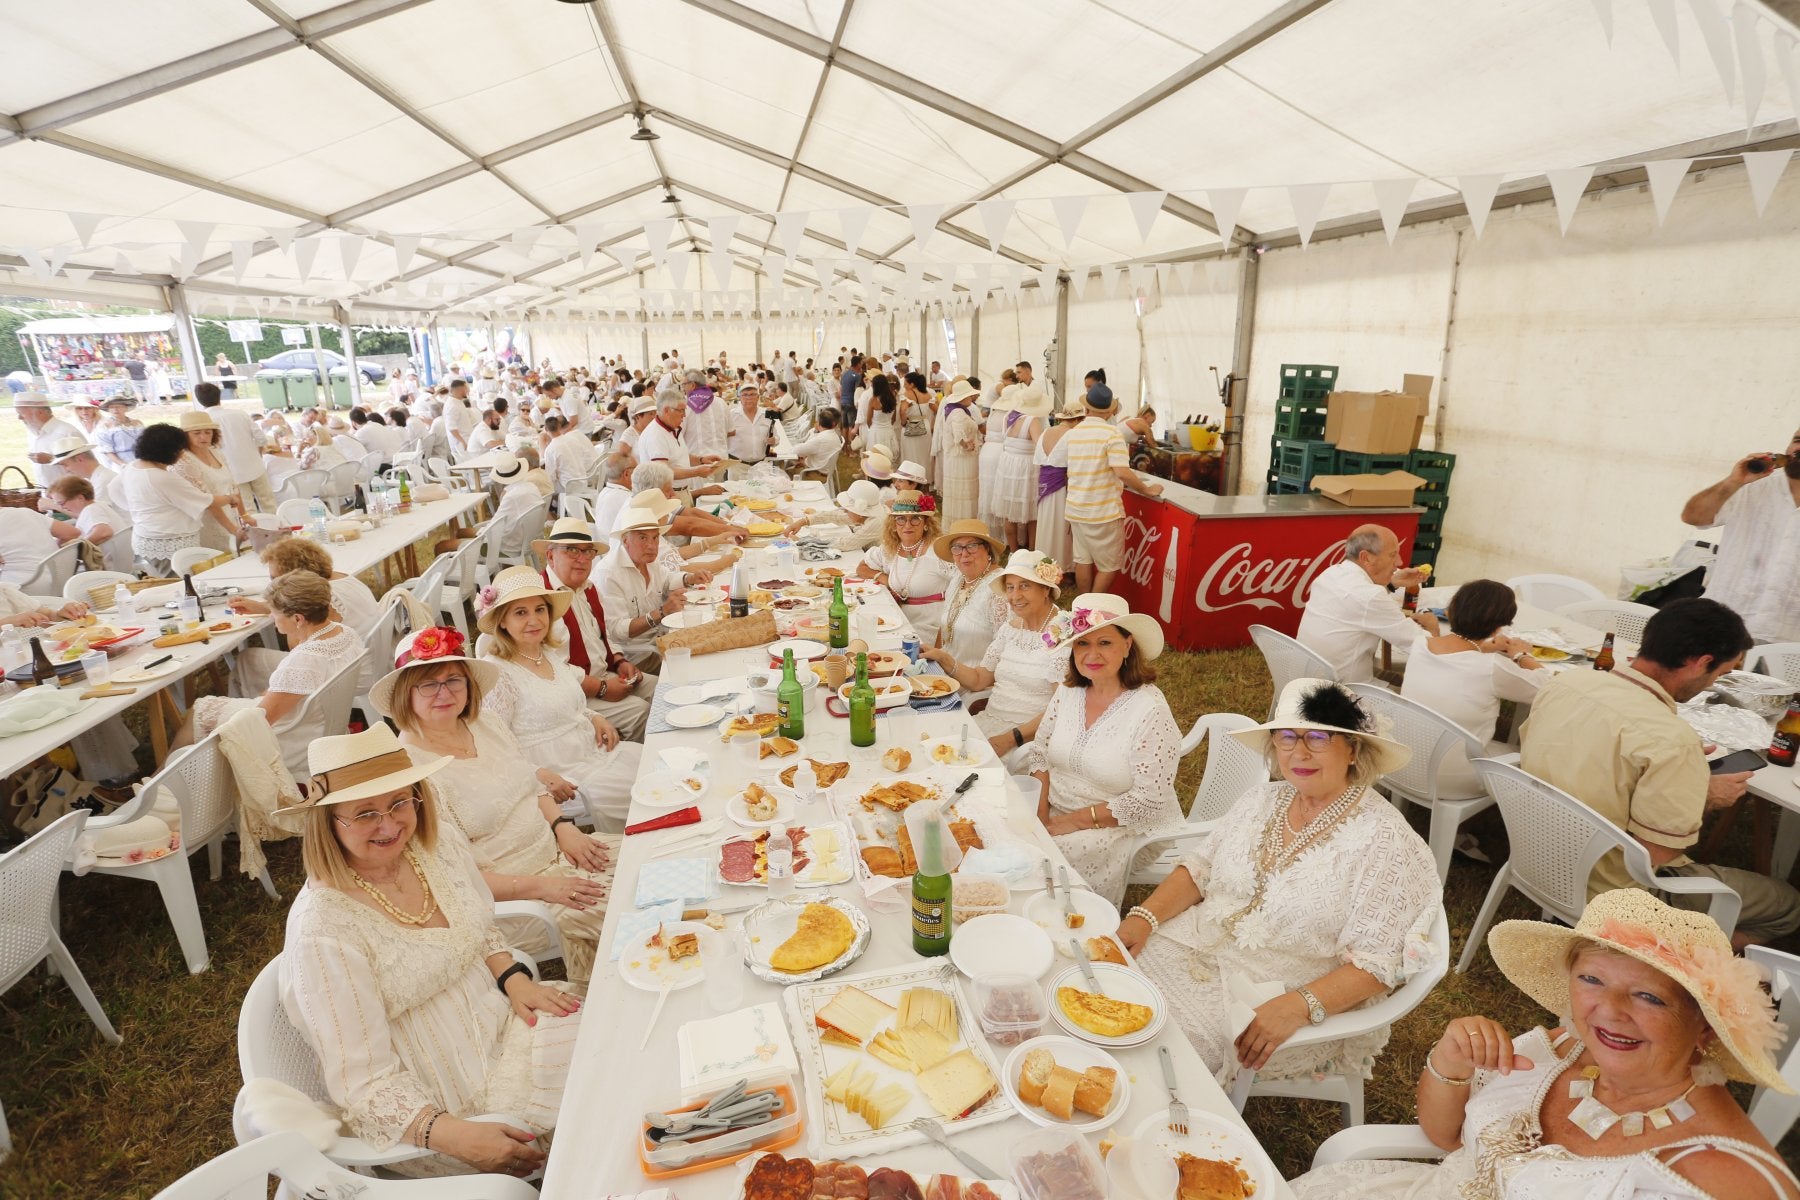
910,644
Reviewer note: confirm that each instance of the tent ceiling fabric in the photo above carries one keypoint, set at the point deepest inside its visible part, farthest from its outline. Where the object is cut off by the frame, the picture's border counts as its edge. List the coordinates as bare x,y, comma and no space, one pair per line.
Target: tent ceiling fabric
456,122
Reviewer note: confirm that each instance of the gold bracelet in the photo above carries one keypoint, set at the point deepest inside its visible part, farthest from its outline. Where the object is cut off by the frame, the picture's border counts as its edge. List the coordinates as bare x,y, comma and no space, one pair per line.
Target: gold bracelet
1440,1076
1094,814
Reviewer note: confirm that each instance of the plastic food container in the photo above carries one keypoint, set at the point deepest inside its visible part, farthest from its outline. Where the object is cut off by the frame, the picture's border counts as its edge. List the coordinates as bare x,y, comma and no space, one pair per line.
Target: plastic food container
686,1158
1056,1164
1011,1008
974,895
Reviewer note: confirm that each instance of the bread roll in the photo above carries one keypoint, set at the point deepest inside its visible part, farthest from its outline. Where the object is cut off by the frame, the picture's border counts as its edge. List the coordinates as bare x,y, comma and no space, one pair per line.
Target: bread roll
1102,949
1034,1073
1059,1094
1093,1095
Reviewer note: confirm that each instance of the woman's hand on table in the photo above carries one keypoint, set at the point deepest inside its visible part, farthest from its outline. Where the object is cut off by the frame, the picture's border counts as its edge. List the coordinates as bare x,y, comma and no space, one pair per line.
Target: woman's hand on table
560,789
1472,1044
571,891
586,852
245,606
489,1146
605,736
31,618
528,996
1274,1023
1134,932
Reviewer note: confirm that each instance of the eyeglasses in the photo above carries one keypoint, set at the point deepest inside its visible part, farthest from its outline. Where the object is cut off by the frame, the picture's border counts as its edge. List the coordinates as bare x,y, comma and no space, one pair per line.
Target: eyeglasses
433,688
1315,739
908,519
372,818
967,547
577,551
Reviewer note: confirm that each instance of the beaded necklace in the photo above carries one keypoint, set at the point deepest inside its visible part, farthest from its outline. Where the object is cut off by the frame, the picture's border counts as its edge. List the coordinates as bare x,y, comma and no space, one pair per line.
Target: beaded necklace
425,914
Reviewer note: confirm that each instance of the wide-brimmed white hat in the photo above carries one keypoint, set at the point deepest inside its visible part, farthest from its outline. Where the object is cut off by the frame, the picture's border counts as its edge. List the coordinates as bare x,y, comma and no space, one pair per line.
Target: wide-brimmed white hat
358,766
85,402
431,646
862,498
910,471
1037,405
1688,947
508,467
959,390
1096,610
196,420
642,405
1036,567
518,583
967,527
654,499
568,532
1323,704
877,465
69,447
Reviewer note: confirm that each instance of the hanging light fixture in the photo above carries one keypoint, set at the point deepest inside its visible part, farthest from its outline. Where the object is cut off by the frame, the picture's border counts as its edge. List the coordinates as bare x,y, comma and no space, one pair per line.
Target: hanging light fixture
644,132
669,196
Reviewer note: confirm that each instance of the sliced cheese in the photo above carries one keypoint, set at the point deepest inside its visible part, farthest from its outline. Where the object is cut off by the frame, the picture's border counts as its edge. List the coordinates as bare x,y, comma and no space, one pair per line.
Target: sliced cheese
925,1047
957,1084
928,1007
855,1013
888,1048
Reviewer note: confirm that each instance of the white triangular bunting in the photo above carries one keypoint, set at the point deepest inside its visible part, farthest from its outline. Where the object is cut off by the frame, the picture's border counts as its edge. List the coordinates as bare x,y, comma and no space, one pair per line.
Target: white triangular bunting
789,228
1663,13
305,251
853,223
405,246
1144,207
1141,278
240,260
350,246
1308,200
85,224
1165,277
1391,199
1715,31
121,263
525,238
721,230
1750,59
1069,211
983,281
657,232
196,234
995,216
1109,281
1184,275
1078,281
1478,197
1764,168
1603,9
924,219
40,266
587,236
284,239
60,254
1665,176
1566,188
1225,203
1046,278
1787,53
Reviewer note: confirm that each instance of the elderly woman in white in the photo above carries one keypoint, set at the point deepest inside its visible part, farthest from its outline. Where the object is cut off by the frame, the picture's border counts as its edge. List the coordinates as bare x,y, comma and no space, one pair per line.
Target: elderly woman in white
1107,747
854,525
973,607
1313,886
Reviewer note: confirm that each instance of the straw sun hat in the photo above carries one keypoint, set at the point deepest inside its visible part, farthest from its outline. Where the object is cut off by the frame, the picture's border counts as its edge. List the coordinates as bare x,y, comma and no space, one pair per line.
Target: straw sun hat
1097,610
196,420
567,532
1036,567
1323,704
968,527
432,645
518,583
357,766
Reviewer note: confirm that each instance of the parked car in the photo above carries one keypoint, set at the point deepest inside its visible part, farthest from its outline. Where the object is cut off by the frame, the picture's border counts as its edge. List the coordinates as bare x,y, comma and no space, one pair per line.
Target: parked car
300,360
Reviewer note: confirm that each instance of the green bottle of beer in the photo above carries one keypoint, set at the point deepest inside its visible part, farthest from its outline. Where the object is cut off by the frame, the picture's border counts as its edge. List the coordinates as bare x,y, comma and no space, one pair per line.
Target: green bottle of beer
931,889
839,615
405,491
790,699
862,705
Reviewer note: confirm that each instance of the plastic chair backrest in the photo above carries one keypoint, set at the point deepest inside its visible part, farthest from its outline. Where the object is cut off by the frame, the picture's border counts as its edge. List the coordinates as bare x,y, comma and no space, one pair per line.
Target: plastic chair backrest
1611,616
1780,659
579,505
192,560
1555,838
334,699
431,583
243,1173
1287,660
205,791
77,587
302,485
1431,736
1232,768
272,1047
371,463
29,874
1771,1112
53,571
393,621
468,555
1553,591
342,479
516,540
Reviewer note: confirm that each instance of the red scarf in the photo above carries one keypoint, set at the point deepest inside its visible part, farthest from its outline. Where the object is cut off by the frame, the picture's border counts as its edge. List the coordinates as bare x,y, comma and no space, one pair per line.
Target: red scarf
578,652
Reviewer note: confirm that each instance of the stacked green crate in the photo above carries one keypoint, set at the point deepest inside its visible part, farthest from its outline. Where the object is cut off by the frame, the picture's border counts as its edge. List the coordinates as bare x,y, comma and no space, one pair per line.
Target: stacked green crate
1435,468
1300,406
1294,461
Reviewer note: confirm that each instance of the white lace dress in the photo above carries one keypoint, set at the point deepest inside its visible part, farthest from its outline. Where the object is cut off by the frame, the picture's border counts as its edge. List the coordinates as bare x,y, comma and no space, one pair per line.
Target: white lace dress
973,610
492,799
1365,896
919,584
404,1019
1503,1157
1125,760
302,671
550,720
987,473
1027,671
1016,485
214,481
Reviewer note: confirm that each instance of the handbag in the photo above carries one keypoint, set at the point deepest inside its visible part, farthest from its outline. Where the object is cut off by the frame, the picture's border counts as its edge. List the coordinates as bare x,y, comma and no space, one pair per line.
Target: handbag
21,497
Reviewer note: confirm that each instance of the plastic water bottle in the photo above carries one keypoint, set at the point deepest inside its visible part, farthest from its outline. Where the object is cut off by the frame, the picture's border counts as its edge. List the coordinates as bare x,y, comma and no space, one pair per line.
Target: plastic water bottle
315,511
781,863
125,602
14,653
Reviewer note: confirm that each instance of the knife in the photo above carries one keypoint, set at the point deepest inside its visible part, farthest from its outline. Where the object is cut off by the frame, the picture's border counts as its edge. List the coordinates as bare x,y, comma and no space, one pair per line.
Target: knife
1079,953
1049,882
966,784
1068,901
935,1132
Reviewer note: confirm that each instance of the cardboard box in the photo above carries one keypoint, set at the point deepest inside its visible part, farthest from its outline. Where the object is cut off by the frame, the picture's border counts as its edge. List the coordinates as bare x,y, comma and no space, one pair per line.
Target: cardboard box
1392,490
1379,422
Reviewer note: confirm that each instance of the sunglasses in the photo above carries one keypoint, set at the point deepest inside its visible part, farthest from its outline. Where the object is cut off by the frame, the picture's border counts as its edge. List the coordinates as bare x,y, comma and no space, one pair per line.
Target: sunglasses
1315,739
372,818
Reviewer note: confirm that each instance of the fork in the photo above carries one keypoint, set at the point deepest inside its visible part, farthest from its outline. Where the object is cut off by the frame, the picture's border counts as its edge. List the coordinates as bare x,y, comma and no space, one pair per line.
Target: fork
935,1132
1178,1112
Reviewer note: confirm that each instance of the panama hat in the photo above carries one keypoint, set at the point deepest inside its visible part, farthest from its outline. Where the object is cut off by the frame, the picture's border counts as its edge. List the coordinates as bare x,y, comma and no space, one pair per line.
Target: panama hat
910,471
358,766
1688,947
911,503
518,583
653,499
966,528
862,498
1097,610
643,405
508,467
638,517
1302,707
1037,406
193,421
31,400
430,646
877,465
69,447
568,531
1038,568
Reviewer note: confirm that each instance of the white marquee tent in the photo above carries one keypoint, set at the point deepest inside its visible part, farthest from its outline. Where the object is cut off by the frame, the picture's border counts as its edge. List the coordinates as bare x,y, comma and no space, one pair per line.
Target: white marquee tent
1164,185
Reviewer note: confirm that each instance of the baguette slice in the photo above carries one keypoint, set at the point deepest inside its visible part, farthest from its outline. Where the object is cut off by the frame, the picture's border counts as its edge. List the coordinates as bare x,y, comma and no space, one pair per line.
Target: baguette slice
1059,1093
1034,1073
1093,1095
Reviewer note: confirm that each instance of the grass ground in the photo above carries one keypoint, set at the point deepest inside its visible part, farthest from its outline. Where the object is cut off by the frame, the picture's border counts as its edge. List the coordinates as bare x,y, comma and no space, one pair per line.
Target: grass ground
92,1120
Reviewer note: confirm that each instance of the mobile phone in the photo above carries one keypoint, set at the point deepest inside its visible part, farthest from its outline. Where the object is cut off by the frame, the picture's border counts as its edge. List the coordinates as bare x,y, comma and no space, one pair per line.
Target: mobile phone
1737,760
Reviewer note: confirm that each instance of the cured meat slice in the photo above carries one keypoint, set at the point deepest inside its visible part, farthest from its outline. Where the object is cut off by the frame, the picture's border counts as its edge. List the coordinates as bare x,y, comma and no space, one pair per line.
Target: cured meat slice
944,1187
889,1184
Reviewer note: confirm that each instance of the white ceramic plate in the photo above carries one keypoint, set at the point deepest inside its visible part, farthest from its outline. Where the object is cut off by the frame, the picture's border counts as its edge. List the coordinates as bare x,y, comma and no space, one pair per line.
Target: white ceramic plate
887,694
738,809
694,716
1077,1057
1047,914
687,618
980,753
651,968
932,687
1001,944
1121,983
174,666
663,789
805,650
1210,1136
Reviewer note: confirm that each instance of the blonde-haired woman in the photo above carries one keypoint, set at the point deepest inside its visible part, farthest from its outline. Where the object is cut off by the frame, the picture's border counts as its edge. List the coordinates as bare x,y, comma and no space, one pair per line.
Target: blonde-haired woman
395,930
526,847
203,467
904,563
351,600
580,758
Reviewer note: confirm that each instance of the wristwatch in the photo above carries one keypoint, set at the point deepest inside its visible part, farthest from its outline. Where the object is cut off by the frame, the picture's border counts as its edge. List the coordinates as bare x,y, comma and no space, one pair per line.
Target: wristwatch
1315,1012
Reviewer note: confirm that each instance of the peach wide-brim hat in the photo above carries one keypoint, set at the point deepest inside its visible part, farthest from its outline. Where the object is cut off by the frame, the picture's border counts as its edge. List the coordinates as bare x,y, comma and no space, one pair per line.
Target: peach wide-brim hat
518,583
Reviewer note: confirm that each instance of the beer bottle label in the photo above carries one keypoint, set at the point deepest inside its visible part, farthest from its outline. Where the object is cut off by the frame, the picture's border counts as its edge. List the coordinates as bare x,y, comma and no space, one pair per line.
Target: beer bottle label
928,920
838,629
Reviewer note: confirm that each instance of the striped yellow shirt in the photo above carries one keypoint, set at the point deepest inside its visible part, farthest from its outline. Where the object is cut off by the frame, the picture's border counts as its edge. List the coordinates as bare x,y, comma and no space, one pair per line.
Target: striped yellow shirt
1095,448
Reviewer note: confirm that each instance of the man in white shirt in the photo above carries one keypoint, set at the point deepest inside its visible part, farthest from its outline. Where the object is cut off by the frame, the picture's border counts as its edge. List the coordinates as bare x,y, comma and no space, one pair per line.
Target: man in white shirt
818,452
570,458
937,378
1350,612
518,497
488,434
42,429
1757,574
661,442
707,427
749,439
77,459
459,414
639,590
568,401
614,497
27,538
614,686
240,446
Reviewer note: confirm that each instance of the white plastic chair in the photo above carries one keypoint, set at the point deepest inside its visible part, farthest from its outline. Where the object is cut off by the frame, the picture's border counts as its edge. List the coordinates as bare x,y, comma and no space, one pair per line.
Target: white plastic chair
333,703
341,483
1232,769
465,577
54,570
1622,617
192,559
1556,840
243,1174
1431,736
370,464
199,779
1772,1113
513,544
29,875
1553,591
393,621
579,505
1287,660
77,586
1780,659
1347,1090
1376,1141
294,513
428,587
302,485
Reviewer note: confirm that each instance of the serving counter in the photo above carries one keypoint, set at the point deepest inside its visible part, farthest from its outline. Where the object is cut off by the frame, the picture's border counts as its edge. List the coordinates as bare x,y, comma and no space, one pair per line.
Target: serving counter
1209,567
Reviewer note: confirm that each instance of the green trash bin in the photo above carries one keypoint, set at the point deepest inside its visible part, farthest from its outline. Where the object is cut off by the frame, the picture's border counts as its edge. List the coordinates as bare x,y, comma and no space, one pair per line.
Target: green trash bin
272,387
303,387
340,387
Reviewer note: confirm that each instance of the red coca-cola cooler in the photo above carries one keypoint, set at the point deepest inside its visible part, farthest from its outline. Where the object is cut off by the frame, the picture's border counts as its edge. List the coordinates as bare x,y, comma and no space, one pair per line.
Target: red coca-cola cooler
1209,567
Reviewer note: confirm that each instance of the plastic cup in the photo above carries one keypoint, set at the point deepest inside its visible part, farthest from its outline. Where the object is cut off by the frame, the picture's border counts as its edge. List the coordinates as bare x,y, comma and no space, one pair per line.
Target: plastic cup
746,752
837,667
97,668
675,662
723,981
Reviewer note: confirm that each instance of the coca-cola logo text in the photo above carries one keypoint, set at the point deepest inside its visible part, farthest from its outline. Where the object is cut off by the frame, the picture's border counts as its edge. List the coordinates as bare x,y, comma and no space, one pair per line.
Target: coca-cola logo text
1140,558
1236,580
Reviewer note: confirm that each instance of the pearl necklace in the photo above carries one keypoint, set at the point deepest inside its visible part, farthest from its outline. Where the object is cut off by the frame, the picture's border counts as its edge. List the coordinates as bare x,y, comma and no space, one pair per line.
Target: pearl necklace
405,918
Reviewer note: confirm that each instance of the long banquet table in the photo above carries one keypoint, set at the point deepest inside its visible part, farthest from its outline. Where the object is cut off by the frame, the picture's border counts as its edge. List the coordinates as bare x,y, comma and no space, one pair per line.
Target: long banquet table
612,1081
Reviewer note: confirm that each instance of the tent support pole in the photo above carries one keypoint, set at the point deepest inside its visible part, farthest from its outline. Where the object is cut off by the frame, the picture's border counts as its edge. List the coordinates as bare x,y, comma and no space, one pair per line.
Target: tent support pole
975,342
348,337
1443,386
1060,381
756,282
1243,338
193,366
